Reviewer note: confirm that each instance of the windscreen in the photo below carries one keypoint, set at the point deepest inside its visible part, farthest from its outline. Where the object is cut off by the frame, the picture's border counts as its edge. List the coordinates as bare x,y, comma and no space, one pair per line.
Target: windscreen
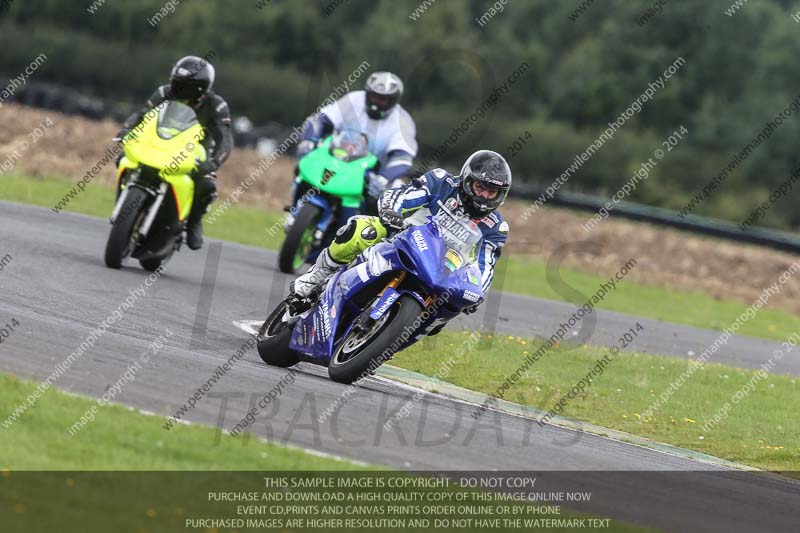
461,236
177,117
349,145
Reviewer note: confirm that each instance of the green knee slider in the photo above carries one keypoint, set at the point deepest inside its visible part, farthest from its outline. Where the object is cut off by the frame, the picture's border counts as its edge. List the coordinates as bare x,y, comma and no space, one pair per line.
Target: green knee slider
357,235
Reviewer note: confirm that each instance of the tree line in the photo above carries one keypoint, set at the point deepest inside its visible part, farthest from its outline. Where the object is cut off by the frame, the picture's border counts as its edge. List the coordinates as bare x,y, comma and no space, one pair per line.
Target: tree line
277,60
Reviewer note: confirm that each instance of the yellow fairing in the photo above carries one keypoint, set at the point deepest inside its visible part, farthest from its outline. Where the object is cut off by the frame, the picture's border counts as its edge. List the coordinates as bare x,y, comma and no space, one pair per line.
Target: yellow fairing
175,155
168,140
183,187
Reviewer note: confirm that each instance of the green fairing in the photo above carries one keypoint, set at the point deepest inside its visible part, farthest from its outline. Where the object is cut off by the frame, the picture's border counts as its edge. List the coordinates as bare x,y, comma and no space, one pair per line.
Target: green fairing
347,181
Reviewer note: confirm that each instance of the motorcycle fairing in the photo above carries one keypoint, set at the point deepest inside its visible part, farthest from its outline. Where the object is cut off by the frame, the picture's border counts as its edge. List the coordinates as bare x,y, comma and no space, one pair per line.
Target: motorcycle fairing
344,179
183,191
420,253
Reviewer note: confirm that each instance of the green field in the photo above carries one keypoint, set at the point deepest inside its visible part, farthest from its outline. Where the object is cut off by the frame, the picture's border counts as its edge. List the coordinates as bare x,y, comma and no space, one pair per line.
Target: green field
761,430
753,434
122,439
524,275
52,481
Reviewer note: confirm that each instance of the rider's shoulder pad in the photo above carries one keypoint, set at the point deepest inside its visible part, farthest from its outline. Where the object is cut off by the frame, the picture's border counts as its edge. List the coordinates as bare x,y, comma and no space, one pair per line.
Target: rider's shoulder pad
441,175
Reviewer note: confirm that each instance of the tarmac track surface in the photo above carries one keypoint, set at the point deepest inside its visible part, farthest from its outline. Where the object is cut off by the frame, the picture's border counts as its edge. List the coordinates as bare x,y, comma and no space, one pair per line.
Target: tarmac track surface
58,289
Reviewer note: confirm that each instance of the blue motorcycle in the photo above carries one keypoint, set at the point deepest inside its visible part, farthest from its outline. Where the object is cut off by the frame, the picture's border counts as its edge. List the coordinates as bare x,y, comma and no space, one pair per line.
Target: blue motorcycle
392,295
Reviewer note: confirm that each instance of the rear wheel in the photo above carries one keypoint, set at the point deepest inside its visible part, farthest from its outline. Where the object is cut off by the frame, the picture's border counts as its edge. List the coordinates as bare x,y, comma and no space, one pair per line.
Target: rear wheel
299,240
361,352
122,239
273,340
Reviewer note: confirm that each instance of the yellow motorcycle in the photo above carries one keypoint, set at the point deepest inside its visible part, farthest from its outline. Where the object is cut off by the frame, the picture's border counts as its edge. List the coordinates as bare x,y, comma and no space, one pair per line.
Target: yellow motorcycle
155,189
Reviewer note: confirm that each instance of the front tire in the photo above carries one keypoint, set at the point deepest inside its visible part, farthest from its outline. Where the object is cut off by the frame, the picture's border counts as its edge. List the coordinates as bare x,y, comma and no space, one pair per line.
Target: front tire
299,240
120,241
374,348
151,265
273,340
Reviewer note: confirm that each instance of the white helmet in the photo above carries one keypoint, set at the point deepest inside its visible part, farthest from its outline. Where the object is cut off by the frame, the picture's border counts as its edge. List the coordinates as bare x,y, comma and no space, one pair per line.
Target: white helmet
384,90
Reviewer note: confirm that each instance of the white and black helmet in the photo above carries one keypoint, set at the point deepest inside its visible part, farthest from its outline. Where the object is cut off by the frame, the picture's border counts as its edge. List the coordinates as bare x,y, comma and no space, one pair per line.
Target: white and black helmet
384,90
492,175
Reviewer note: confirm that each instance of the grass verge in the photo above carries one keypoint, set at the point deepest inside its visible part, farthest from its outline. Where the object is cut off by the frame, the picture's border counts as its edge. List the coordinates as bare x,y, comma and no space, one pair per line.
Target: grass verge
123,439
51,481
760,429
524,275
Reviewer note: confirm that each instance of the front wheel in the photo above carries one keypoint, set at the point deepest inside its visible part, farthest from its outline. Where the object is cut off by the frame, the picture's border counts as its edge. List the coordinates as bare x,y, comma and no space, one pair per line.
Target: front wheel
361,352
273,340
122,239
299,240
151,265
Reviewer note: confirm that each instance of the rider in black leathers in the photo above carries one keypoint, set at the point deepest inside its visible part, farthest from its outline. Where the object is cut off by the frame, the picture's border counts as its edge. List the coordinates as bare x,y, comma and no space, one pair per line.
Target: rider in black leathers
190,83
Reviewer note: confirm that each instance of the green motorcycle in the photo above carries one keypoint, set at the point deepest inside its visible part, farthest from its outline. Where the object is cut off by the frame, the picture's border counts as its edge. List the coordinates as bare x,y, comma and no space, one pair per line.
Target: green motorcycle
330,181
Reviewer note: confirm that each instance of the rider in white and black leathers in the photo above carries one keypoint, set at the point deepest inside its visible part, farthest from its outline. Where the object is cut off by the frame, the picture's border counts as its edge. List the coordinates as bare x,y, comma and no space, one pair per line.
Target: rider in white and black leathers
376,112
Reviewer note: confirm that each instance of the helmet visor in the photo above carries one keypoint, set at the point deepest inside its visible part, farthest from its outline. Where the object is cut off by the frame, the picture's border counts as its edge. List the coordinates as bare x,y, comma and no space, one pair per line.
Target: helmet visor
382,102
184,89
482,189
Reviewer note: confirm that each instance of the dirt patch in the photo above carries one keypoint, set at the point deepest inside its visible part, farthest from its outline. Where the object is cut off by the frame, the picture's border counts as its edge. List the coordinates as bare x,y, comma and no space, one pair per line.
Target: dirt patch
73,145
666,257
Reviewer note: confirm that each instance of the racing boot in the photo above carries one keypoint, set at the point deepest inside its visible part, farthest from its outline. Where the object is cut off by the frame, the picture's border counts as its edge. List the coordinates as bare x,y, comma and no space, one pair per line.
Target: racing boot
205,192
319,272
194,233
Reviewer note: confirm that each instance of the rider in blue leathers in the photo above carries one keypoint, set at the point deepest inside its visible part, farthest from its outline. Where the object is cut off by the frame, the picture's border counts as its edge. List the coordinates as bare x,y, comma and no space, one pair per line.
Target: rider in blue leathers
479,190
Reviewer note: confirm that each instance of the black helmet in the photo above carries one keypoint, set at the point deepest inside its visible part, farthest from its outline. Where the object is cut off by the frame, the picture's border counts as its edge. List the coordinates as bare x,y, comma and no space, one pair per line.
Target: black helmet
191,78
384,90
485,181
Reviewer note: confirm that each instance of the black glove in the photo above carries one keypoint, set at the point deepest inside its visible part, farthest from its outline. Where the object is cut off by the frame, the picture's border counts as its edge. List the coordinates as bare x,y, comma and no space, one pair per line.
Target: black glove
204,168
472,308
122,133
391,219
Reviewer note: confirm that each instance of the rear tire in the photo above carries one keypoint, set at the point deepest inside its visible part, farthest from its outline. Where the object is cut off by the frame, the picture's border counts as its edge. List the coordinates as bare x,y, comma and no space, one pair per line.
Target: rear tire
297,245
366,359
273,340
119,245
